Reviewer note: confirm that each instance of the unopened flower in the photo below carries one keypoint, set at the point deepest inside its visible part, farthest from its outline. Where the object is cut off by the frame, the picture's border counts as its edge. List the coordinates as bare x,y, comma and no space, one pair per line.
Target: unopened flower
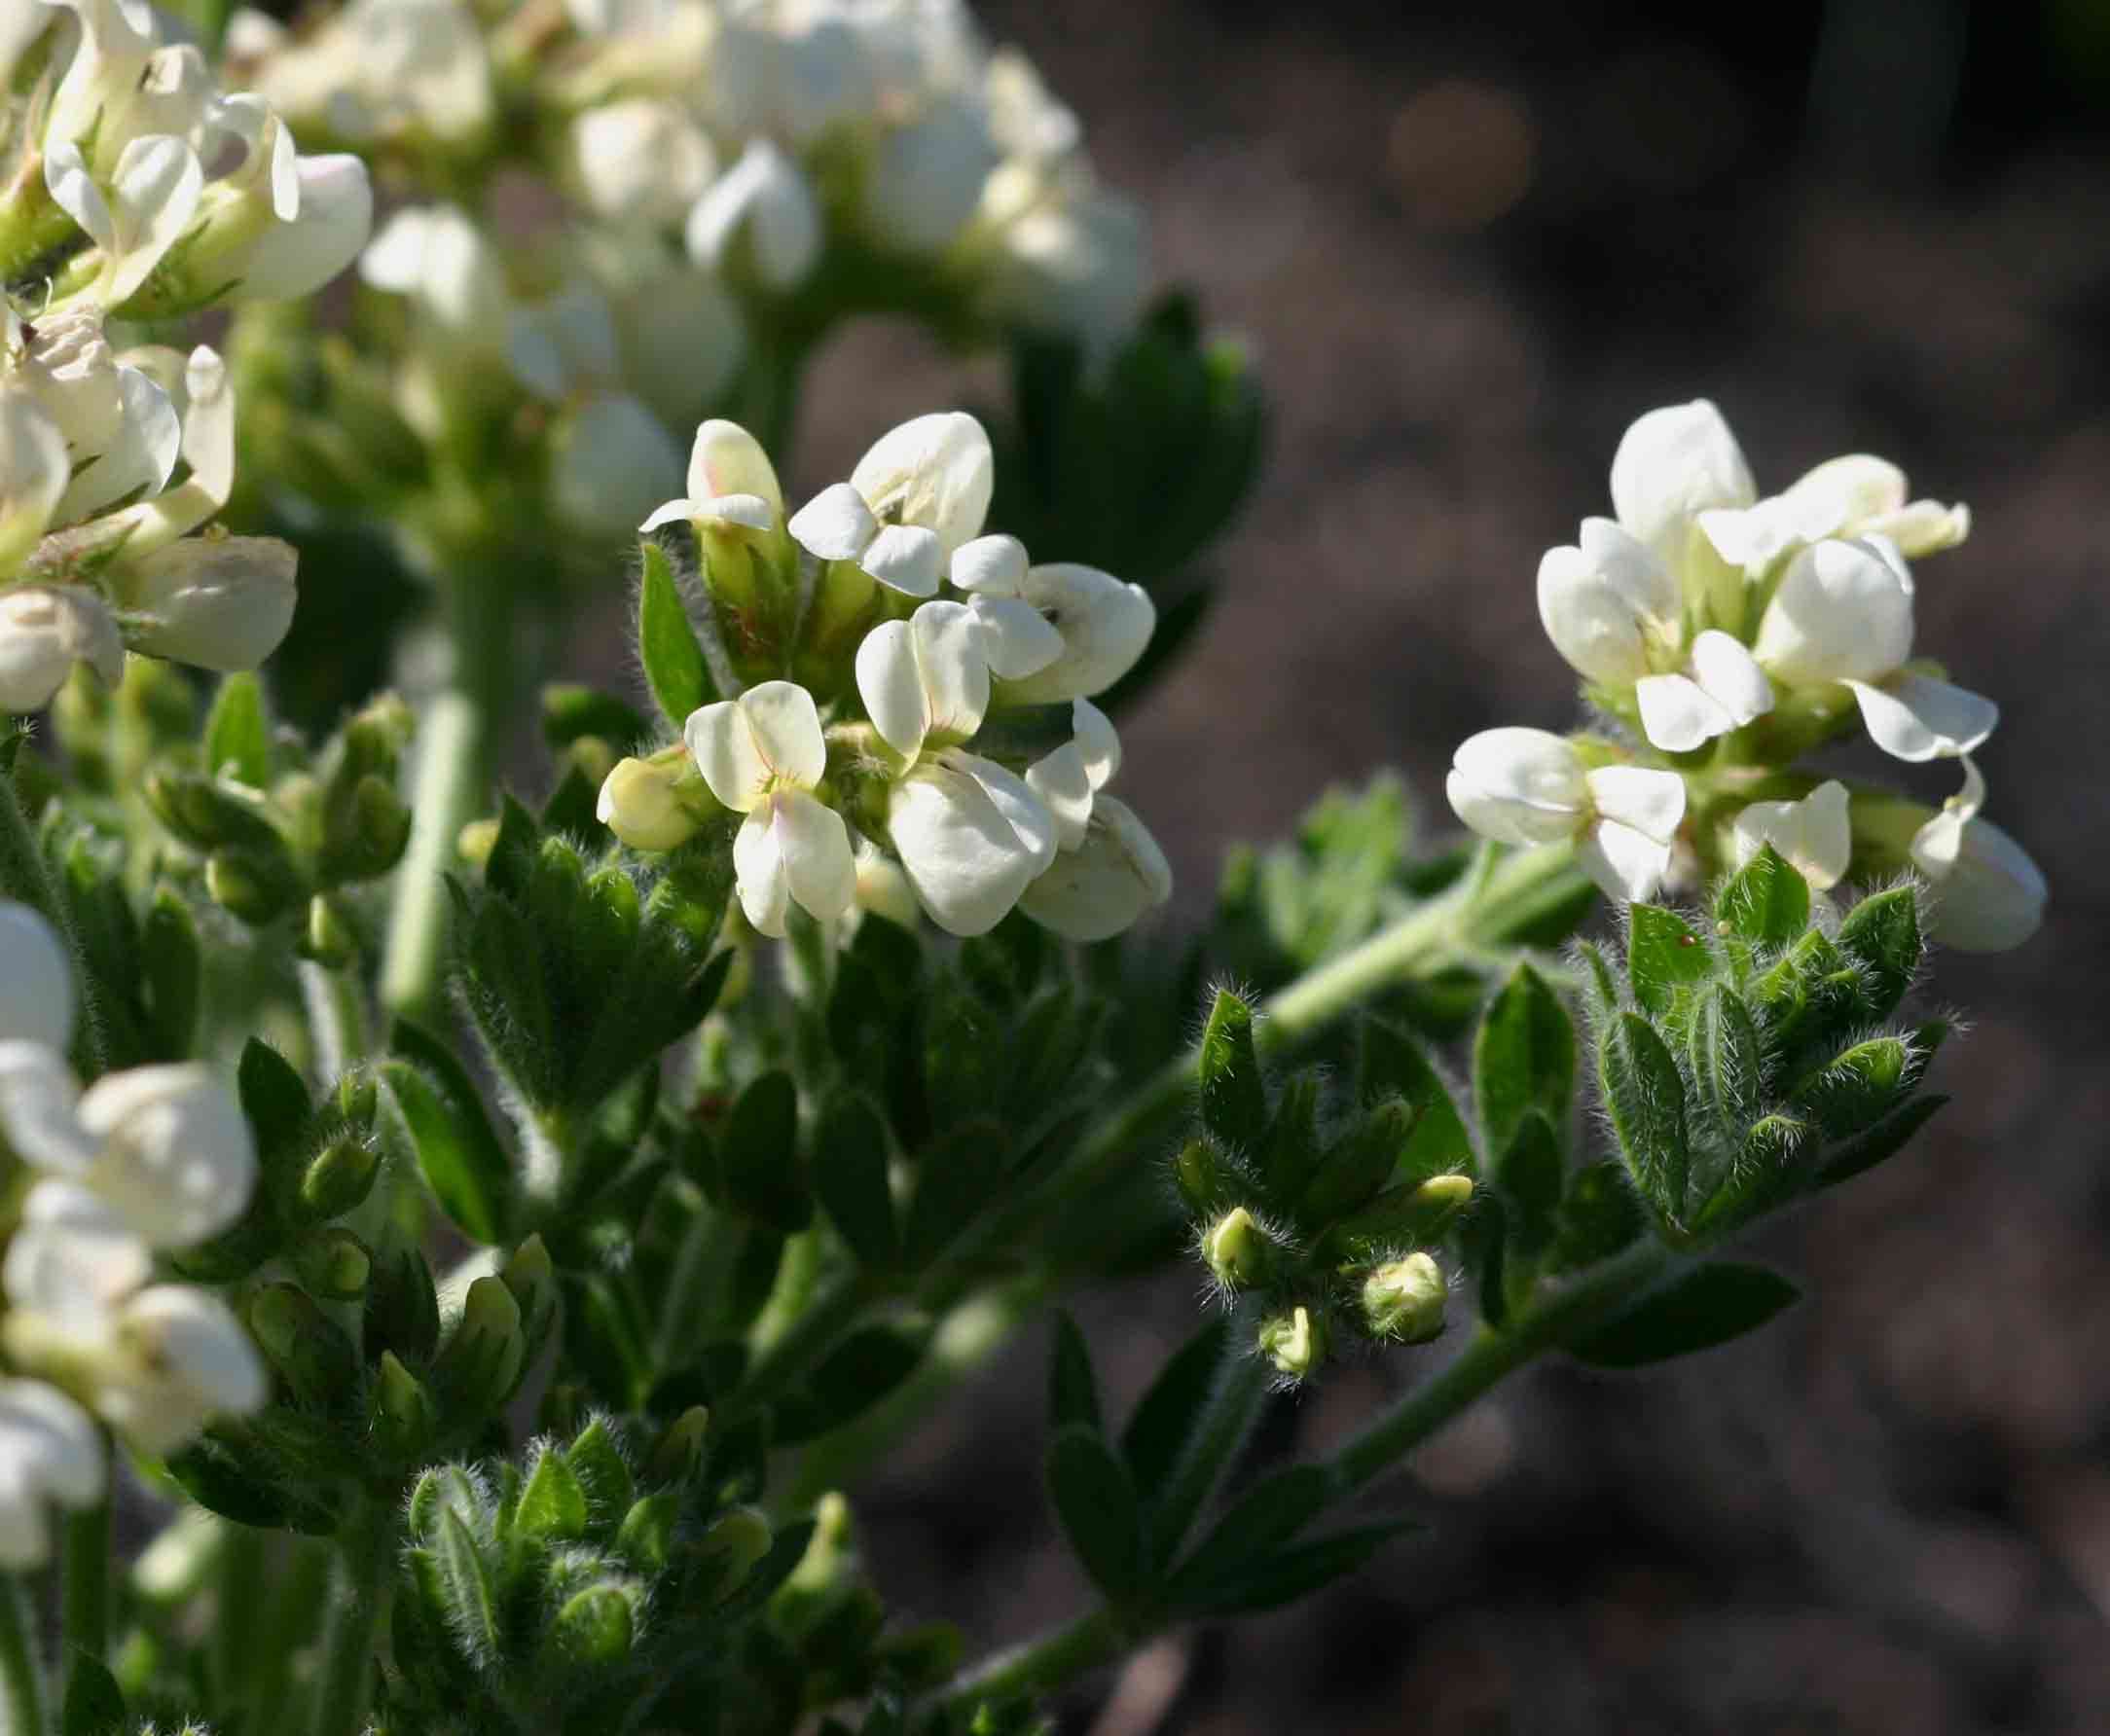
1814,836
1988,895
36,980
926,178
1844,613
918,494
763,755
165,1146
610,459
216,603
731,482
765,199
640,803
1528,787
49,1455
1403,1299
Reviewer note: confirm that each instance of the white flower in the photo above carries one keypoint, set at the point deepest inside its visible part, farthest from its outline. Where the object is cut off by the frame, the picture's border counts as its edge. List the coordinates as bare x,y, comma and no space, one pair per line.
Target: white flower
1856,495
50,1452
123,434
731,482
1813,836
218,602
383,68
1844,613
762,755
34,470
926,676
971,837
44,629
1017,640
641,161
610,459
1615,612
166,1147
1105,623
1673,465
295,259
925,178
1073,256
1528,787
920,492
177,1358
766,198
1987,894
1114,875
438,257
1068,780
153,192
36,980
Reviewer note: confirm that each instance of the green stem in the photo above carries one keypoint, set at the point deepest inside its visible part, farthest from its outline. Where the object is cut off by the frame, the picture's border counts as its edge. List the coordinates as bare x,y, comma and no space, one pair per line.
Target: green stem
84,1609
351,1627
1089,1641
449,781
335,1018
21,1677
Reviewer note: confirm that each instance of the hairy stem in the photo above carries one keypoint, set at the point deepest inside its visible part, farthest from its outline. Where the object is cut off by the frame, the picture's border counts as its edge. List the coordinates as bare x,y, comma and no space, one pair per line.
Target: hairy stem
450,778
1557,1315
21,1677
350,1627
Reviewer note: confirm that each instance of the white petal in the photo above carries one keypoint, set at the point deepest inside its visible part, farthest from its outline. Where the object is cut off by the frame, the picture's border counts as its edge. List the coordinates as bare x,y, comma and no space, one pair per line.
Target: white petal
1989,896
1623,862
961,853
1673,465
820,866
1841,495
43,1431
216,603
1940,842
1677,714
937,471
1923,526
952,665
1096,740
1016,637
154,192
1015,800
1814,836
74,191
836,523
1517,785
296,259
1596,605
39,1111
925,179
1652,803
1843,611
1915,717
673,512
72,1257
1100,889
746,511
1104,625
891,687
201,1345
36,980
1731,676
995,566
35,470
905,558
177,1162
1064,788
727,460
723,746
785,726
763,880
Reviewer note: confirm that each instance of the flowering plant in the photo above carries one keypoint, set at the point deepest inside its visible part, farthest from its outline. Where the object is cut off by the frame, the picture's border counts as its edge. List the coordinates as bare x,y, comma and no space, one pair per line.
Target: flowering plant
481,1222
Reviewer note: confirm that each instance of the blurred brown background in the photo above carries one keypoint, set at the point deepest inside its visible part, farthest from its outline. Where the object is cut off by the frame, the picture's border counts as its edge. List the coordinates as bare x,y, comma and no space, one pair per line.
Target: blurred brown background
1468,244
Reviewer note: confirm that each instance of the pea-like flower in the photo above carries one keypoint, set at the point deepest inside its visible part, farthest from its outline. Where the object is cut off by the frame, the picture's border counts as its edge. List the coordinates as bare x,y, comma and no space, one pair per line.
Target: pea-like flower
1112,875
1850,496
49,1455
1529,786
765,200
1814,835
1055,631
763,755
1988,895
919,494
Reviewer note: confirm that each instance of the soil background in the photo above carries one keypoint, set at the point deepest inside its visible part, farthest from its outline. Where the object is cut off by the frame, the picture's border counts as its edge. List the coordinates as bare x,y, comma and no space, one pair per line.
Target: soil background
1468,244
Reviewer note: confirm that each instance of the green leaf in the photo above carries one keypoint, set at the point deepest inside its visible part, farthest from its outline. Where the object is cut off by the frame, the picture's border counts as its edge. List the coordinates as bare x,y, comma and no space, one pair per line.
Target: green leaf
1157,1432
758,1163
1766,901
667,645
1523,1059
1664,953
1096,1502
1072,1392
1394,1063
1530,1172
275,1099
1884,1141
173,970
1882,934
458,1151
238,734
1599,1215
465,1585
553,1505
856,1375
1296,1572
850,1177
95,1703
1858,1088
603,1473
1722,1045
1269,1514
1646,1099
1233,1094
1696,1311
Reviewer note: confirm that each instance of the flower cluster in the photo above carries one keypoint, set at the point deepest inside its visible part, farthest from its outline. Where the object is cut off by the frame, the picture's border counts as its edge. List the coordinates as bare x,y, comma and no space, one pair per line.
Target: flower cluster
957,679
156,1158
141,191
1727,635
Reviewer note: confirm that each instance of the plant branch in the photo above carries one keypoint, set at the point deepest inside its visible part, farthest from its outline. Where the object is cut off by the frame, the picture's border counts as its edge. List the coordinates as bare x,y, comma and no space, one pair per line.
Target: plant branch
85,1585
450,758
21,1677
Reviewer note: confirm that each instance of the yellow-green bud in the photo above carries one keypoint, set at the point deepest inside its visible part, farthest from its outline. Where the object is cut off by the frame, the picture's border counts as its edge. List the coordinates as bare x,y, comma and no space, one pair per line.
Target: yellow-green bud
480,1365
339,1179
1238,1250
640,804
247,887
678,1453
329,940
732,1548
336,1265
404,1415
1403,1299
533,1282
476,841
1294,1342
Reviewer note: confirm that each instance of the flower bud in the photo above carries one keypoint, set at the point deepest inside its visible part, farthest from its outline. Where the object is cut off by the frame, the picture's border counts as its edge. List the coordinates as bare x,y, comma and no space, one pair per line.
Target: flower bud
308,1350
646,1535
248,886
335,1265
1404,1300
531,1282
403,1416
729,1550
338,1180
641,805
1238,1251
480,1363
597,1627
327,939
678,1453
1296,1342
